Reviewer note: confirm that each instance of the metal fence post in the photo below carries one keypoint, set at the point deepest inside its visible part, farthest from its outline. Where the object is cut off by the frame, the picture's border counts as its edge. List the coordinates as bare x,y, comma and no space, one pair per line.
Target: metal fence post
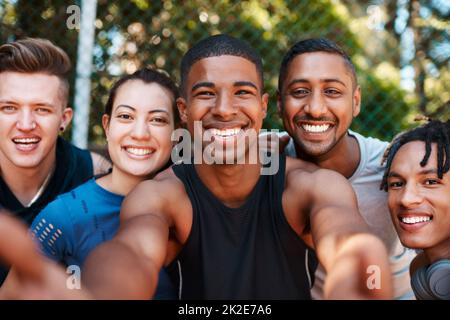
82,99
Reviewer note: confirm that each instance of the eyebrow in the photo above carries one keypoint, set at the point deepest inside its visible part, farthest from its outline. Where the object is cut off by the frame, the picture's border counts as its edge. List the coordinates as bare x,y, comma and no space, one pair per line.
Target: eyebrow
47,104
428,171
245,84
202,84
212,85
8,102
44,104
134,109
394,174
301,80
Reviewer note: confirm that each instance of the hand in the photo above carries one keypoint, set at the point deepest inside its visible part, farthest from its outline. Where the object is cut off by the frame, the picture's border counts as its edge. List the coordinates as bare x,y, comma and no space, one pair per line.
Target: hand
275,142
33,276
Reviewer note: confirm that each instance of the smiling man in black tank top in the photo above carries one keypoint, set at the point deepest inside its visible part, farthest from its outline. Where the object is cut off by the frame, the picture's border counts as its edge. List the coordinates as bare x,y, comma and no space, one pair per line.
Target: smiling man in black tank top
228,231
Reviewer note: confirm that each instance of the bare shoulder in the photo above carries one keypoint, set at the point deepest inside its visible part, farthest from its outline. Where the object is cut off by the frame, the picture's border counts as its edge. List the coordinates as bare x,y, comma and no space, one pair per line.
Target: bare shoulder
310,179
294,164
99,163
162,195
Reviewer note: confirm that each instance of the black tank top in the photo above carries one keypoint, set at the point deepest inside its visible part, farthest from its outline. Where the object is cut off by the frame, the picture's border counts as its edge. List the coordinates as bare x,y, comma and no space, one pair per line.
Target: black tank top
250,252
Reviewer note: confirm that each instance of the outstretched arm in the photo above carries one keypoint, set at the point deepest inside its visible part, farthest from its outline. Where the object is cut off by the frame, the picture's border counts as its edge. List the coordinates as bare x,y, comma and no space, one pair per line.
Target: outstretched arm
33,276
127,267
356,261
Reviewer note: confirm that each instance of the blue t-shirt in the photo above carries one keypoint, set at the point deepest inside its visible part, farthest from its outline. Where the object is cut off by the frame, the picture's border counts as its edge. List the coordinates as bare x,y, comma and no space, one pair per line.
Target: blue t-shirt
71,226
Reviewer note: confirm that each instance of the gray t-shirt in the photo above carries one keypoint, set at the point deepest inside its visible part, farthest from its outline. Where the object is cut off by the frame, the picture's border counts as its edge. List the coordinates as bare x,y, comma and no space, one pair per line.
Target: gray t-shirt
372,203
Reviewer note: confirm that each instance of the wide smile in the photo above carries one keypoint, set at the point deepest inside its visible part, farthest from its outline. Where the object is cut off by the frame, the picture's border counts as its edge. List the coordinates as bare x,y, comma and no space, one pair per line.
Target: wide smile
412,222
315,128
225,133
139,153
26,144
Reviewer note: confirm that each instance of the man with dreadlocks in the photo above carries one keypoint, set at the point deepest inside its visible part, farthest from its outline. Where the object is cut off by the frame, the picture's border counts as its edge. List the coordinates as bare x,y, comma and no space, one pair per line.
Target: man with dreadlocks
418,184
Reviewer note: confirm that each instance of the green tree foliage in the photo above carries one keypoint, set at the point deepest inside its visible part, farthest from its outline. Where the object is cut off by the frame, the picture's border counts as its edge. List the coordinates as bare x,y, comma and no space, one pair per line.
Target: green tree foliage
137,33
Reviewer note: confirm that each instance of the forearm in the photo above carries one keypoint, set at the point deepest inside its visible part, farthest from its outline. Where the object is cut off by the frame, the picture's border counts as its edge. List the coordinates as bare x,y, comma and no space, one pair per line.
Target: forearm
359,270
113,271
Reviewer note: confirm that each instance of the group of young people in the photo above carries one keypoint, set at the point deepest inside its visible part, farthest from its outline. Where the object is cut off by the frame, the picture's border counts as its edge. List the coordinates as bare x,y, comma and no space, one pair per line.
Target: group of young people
142,227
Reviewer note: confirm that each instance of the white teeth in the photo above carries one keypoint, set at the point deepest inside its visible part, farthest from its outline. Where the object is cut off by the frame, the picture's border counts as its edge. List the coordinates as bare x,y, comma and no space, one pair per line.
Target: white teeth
138,151
315,128
413,220
26,140
225,132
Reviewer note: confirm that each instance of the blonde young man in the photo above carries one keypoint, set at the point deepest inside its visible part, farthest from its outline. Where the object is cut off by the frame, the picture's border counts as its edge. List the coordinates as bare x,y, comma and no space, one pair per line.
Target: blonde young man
36,164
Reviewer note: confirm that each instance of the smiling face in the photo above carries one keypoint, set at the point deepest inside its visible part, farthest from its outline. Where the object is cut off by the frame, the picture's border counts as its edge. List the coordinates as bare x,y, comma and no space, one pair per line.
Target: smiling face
225,94
418,200
31,113
140,127
318,101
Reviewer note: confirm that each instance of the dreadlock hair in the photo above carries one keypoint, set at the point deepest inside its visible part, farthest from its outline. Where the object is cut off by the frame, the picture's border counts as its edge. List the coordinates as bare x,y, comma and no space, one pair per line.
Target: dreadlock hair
434,131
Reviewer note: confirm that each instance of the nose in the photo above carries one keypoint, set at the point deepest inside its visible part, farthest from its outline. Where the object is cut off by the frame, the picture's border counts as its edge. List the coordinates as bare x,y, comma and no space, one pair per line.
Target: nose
141,130
26,121
315,106
224,107
410,196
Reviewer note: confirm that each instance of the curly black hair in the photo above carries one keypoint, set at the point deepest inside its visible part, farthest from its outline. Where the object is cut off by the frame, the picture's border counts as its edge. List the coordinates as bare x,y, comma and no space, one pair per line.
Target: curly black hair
434,131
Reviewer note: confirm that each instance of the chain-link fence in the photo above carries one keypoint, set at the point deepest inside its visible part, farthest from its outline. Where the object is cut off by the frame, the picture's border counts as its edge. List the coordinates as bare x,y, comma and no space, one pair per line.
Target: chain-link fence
401,48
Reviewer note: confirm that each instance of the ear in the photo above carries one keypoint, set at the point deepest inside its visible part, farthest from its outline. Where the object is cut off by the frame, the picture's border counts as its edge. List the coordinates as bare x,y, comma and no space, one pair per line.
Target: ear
264,104
105,124
356,101
66,117
182,109
279,102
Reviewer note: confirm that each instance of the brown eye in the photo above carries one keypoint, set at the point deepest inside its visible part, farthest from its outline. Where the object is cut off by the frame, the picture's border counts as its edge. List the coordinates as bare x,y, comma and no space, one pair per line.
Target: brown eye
159,120
430,182
395,184
124,116
204,94
332,92
300,92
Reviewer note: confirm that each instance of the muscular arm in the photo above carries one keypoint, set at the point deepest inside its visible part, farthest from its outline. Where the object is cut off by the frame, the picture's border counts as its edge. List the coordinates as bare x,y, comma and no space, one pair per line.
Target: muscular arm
127,267
350,253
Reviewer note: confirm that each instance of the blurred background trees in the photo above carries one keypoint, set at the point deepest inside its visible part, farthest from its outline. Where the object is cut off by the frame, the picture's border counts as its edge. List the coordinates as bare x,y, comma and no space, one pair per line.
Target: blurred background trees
401,48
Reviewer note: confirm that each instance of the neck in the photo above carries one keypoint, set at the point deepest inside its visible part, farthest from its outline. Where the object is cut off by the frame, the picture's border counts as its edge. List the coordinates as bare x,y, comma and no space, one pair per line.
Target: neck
344,157
25,183
231,184
119,182
438,252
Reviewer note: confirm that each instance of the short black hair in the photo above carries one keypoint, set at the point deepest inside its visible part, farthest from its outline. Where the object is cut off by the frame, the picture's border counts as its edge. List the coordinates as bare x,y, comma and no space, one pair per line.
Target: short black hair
219,45
314,45
434,131
146,75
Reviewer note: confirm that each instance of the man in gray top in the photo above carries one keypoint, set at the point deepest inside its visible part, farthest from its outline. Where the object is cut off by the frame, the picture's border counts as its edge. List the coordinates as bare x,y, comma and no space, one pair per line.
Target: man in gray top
318,97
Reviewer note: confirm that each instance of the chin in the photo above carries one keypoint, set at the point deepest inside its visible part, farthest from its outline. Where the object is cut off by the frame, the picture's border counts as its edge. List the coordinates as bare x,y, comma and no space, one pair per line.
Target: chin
414,243
27,163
